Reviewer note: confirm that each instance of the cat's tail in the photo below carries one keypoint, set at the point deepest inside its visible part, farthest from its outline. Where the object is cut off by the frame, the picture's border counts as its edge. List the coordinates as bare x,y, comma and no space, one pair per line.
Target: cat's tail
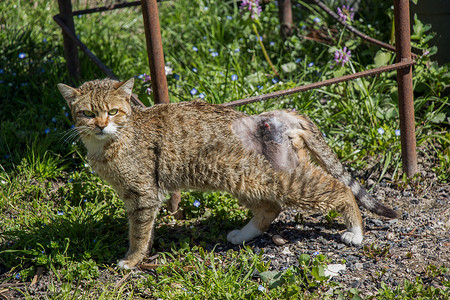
320,151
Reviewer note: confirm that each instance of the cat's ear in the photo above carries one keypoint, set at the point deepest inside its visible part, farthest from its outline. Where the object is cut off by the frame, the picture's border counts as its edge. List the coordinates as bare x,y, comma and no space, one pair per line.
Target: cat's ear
69,93
125,88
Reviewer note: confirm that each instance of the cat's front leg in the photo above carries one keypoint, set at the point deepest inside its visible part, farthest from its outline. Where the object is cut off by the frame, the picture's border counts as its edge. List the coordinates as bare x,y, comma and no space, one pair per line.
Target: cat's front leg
141,218
263,217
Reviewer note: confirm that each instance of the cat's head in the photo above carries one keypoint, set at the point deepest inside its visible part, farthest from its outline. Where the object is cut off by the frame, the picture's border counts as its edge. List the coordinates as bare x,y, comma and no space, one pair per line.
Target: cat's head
100,108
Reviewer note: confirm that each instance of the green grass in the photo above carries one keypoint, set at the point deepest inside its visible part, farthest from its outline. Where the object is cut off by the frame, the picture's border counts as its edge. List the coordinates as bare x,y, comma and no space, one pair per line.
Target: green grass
58,215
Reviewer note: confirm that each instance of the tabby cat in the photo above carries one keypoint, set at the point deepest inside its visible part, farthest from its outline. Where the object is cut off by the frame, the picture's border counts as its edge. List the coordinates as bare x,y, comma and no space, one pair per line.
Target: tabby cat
263,160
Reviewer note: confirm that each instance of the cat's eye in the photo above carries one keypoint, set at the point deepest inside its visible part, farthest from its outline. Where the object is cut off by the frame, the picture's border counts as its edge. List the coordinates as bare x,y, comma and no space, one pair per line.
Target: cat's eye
88,113
113,112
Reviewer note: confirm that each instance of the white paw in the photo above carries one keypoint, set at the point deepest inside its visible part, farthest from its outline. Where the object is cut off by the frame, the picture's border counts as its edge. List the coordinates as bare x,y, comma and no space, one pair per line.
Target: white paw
353,237
235,237
123,265
247,233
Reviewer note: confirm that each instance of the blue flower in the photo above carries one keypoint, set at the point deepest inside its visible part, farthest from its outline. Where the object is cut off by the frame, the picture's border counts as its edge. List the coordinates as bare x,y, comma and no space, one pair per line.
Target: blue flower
18,276
71,180
316,19
2,71
141,76
201,95
397,132
229,17
66,114
380,130
54,120
261,38
47,131
176,76
197,203
45,40
194,70
215,54
272,43
298,60
275,80
22,55
234,77
237,50
60,213
310,64
316,253
193,91
195,49
261,288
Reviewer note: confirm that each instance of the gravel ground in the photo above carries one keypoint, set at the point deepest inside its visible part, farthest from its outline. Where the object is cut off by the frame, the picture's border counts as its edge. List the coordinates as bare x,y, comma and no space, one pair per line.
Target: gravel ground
392,251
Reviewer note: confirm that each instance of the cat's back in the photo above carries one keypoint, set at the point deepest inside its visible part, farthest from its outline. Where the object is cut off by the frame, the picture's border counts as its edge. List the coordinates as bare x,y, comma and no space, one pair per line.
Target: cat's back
185,119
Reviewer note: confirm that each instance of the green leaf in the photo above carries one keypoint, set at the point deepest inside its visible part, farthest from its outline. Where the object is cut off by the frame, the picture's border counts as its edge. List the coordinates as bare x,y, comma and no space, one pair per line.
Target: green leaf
289,67
382,58
303,259
439,118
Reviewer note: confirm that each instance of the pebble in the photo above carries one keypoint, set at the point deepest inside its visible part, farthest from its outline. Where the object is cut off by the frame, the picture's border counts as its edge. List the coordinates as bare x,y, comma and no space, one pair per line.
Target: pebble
279,240
333,270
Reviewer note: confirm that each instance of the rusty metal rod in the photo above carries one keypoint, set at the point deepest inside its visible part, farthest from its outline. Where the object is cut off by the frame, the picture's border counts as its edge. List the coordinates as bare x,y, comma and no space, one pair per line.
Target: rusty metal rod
108,7
70,51
405,87
356,31
155,51
399,65
71,35
157,72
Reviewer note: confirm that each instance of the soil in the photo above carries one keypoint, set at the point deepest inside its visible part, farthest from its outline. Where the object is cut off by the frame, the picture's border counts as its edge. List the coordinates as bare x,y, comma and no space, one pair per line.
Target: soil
393,251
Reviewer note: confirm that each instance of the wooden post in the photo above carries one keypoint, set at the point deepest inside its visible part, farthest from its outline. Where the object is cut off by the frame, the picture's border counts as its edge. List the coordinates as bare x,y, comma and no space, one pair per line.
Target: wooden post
285,17
70,47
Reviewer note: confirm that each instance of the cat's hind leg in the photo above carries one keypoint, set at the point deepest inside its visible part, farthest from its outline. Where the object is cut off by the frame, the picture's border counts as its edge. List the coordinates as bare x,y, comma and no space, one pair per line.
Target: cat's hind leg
263,215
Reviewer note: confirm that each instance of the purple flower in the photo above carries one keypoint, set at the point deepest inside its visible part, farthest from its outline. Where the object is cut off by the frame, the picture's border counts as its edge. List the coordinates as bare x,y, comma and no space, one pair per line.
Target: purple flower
342,56
22,55
193,91
149,91
426,52
252,6
346,13
197,203
234,77
146,78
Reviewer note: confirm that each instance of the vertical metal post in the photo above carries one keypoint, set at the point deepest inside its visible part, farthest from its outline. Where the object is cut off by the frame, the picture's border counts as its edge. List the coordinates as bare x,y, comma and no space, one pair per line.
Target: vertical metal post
285,17
155,51
70,47
157,71
405,87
